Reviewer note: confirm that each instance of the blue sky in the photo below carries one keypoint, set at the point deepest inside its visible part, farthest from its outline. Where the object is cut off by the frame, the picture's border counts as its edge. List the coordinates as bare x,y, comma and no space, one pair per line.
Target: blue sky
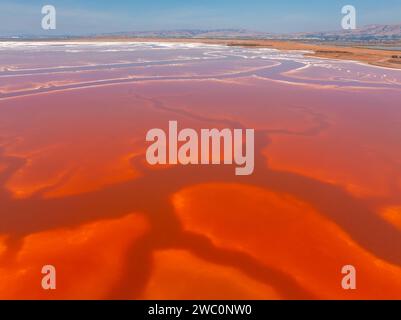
98,16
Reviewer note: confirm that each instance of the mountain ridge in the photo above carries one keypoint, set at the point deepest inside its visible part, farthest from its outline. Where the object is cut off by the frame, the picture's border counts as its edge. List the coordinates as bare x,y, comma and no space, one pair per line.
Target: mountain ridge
372,32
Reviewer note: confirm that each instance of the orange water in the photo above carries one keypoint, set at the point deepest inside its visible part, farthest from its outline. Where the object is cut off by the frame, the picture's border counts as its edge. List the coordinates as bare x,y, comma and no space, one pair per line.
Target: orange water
76,191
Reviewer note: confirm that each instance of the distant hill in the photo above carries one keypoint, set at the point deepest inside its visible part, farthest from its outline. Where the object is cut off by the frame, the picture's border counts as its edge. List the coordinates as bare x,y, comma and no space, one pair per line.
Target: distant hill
193,33
369,33
381,30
